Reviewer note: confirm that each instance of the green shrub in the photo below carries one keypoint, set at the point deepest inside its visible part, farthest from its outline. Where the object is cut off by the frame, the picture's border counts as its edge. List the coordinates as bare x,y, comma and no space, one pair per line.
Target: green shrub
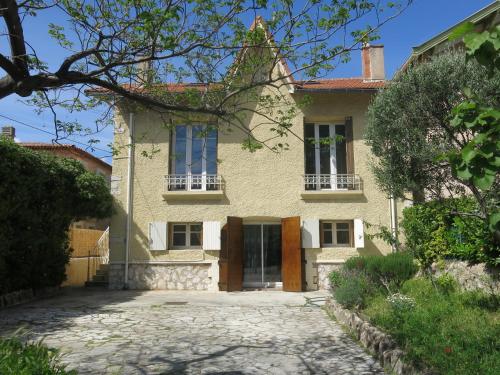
393,269
448,332
41,196
433,231
336,278
353,292
18,358
446,283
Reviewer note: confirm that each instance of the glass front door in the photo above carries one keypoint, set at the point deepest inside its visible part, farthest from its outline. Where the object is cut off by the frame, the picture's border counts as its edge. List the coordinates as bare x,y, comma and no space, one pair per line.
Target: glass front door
262,255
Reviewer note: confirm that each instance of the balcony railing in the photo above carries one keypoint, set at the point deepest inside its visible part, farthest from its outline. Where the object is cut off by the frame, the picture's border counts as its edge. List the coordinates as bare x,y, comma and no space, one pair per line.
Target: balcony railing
195,182
332,182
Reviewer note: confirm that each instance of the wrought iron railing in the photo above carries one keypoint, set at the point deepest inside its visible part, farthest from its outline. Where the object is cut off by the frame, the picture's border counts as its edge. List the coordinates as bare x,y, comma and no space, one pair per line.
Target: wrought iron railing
332,182
194,182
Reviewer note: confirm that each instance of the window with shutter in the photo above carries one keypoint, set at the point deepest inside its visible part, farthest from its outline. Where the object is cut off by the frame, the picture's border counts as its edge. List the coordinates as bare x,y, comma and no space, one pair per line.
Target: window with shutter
359,236
310,234
158,235
211,235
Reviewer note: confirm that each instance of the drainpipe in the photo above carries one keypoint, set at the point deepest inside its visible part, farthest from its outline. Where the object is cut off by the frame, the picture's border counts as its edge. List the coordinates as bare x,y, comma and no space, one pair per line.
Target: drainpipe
394,223
130,177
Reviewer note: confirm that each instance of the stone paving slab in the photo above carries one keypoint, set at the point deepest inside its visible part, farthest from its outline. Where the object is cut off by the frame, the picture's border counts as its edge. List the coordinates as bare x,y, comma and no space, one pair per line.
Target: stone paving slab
167,332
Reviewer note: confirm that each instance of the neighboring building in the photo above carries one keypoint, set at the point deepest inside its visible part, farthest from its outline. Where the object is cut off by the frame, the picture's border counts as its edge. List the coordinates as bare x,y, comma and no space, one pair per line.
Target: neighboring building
254,219
483,19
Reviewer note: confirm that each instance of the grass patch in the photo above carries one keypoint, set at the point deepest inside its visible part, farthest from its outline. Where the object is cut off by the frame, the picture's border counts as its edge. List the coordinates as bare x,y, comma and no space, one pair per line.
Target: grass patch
19,358
453,332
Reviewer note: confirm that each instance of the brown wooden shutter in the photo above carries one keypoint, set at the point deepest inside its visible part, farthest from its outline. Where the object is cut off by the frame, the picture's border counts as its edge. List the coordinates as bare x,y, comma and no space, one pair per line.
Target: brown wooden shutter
291,268
223,259
349,145
231,255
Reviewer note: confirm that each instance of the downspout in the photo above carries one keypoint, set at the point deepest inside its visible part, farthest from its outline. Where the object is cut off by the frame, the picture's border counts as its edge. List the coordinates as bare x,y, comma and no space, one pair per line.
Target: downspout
394,223
130,185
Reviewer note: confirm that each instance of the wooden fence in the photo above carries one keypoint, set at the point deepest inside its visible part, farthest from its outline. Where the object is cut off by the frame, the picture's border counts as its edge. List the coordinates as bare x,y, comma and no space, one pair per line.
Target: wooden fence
90,250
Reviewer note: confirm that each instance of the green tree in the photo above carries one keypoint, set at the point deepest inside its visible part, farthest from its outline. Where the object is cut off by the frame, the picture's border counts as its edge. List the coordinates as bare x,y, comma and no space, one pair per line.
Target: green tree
128,48
409,125
41,196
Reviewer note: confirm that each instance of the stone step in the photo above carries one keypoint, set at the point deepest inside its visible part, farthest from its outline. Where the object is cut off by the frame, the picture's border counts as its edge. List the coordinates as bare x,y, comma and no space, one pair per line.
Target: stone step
102,272
92,284
100,278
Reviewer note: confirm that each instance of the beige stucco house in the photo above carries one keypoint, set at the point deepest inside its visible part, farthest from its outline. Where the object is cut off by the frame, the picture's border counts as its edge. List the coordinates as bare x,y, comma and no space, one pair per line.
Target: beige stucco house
204,214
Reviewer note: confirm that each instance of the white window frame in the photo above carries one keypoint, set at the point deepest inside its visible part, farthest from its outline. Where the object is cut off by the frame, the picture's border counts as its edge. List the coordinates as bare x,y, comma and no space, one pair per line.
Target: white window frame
187,246
333,156
334,233
188,161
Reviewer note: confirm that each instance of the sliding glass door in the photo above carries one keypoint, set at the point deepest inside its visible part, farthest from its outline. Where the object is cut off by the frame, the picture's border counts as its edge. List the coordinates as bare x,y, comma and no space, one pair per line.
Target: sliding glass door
262,255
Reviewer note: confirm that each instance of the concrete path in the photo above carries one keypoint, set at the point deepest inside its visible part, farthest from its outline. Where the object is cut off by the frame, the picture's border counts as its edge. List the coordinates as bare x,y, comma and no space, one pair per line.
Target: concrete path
167,332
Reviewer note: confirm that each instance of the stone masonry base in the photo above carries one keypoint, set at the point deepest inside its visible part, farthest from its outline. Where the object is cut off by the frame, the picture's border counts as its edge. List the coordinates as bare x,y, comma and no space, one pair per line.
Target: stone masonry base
161,276
324,270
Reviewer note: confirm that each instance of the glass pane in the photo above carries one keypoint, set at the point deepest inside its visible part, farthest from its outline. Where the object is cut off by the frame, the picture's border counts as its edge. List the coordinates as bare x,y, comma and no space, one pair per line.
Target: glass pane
195,238
327,237
324,150
272,253
252,264
179,239
344,226
179,155
341,153
179,227
195,227
197,149
309,147
211,145
327,226
342,237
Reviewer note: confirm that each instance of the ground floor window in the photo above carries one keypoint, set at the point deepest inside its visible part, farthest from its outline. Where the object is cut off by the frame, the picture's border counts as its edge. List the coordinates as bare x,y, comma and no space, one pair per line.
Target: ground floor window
186,235
336,233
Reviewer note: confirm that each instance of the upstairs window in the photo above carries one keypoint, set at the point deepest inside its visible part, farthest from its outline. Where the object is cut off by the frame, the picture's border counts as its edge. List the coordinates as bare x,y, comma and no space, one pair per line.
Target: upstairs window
193,156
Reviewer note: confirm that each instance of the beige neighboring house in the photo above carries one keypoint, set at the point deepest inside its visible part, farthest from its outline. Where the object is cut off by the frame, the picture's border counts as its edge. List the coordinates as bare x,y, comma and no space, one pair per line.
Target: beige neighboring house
252,220
483,19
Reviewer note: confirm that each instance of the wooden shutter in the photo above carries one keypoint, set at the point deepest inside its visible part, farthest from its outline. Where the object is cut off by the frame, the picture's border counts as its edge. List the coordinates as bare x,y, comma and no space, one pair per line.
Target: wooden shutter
349,138
223,259
231,257
211,235
310,234
291,268
158,235
359,236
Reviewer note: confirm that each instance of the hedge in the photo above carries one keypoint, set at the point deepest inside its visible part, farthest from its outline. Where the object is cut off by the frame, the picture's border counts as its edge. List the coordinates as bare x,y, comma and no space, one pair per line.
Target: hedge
40,196
434,231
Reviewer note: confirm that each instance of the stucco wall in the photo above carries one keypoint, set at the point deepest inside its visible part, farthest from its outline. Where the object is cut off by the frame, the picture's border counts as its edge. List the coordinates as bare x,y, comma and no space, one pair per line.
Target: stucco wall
261,185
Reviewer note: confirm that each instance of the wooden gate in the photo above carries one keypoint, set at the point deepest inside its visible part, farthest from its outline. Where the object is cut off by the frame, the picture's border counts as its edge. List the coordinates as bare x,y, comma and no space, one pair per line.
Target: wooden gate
291,268
231,255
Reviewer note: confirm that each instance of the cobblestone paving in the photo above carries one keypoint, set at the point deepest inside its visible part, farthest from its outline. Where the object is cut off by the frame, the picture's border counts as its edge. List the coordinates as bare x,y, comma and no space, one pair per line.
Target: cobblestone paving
104,332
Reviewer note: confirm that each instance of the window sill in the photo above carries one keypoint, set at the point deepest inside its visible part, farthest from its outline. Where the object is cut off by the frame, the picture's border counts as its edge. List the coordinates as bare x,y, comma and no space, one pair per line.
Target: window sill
330,194
193,194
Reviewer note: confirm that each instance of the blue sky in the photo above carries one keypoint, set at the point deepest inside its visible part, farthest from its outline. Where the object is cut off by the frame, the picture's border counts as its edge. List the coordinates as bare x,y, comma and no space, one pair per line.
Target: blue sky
421,21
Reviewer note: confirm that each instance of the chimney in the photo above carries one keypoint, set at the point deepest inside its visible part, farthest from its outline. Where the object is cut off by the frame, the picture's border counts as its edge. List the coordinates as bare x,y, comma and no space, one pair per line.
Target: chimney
372,60
9,132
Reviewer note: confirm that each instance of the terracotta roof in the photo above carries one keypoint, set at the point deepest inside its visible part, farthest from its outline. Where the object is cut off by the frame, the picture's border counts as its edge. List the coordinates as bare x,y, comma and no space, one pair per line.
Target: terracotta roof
71,148
340,84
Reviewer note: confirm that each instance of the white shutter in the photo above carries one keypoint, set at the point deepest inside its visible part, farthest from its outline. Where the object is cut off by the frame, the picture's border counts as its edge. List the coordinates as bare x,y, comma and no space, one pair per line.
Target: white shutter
158,235
211,235
359,236
310,234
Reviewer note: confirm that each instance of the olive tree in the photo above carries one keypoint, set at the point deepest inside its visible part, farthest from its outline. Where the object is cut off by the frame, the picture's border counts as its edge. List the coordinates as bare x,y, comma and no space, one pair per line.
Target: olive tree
409,125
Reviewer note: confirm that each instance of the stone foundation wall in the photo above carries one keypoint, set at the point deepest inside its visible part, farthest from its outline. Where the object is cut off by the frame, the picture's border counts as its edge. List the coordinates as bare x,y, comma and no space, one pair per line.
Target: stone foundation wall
324,270
471,277
162,276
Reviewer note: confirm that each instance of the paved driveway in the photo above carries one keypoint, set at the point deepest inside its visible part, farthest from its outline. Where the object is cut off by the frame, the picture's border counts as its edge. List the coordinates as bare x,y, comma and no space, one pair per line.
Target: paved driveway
162,332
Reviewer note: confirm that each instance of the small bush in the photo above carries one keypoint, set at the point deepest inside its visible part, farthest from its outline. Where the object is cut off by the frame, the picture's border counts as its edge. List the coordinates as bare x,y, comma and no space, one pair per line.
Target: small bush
336,278
18,358
401,303
352,292
446,283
